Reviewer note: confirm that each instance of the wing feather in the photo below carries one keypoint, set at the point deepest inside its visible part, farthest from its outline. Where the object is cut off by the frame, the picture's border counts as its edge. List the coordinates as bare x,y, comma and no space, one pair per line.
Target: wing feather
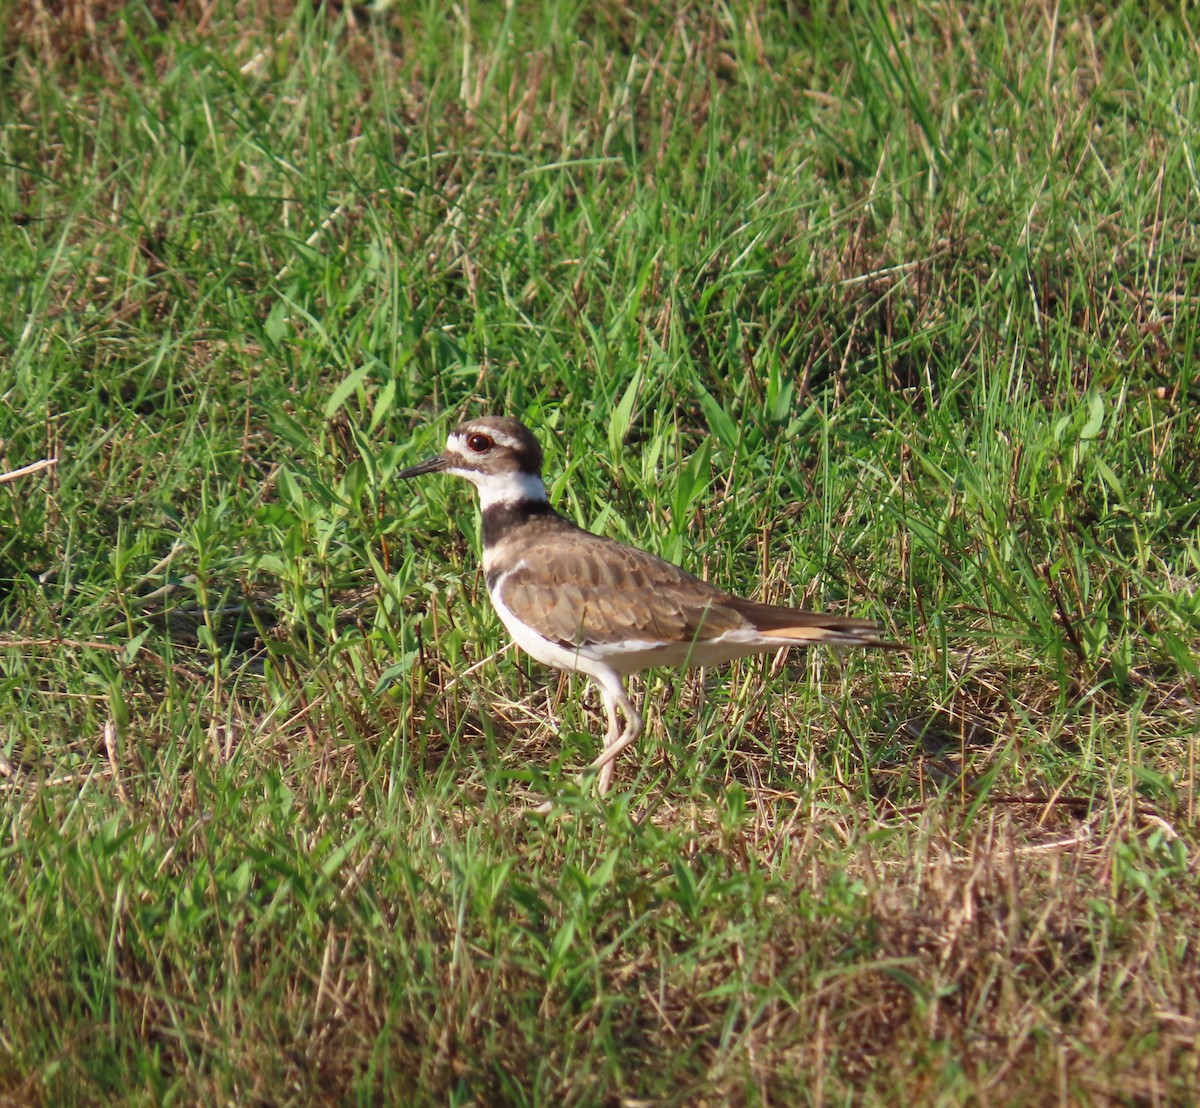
594,591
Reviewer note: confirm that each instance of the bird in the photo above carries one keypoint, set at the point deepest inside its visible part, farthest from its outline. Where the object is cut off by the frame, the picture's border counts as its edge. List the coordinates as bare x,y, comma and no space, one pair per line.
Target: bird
581,602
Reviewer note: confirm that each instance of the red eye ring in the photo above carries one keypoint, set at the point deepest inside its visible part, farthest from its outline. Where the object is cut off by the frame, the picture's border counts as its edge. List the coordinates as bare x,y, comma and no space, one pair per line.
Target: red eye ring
479,443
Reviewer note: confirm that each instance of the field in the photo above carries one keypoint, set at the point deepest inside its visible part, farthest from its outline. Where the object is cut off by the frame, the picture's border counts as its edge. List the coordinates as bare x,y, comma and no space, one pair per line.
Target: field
891,310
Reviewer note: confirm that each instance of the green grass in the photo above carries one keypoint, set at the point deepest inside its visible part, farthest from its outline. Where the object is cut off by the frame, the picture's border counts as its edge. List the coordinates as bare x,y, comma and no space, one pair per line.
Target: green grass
885,310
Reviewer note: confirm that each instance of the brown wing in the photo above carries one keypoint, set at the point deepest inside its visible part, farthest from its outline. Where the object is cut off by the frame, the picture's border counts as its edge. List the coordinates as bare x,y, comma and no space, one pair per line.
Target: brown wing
593,590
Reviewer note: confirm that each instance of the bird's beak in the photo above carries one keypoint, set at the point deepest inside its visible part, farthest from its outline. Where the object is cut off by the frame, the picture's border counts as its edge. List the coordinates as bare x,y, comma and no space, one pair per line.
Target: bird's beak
430,465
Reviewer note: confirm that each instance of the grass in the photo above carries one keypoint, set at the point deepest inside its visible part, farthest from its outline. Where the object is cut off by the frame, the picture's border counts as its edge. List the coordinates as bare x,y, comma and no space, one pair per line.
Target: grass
885,310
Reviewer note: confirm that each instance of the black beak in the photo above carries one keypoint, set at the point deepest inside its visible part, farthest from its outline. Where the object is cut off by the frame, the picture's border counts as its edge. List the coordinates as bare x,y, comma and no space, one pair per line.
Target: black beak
429,465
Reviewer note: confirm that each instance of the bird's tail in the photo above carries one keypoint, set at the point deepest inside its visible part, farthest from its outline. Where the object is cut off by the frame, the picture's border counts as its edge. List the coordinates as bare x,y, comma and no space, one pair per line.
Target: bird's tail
795,625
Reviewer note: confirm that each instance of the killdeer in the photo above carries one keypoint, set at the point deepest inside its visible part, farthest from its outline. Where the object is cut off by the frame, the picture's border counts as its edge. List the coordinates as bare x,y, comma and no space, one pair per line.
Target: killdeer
582,602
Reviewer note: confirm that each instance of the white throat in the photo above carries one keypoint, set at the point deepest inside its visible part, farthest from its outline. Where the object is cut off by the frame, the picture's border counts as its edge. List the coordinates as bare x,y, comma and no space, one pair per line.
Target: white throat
506,488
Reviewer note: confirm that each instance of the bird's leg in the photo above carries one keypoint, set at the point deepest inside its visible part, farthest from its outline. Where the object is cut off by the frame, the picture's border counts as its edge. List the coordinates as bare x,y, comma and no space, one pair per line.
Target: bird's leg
608,758
611,736
616,738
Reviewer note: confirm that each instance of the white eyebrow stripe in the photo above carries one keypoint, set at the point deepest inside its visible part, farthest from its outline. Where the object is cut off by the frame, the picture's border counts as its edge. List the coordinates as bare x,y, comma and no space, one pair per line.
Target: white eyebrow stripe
456,442
500,438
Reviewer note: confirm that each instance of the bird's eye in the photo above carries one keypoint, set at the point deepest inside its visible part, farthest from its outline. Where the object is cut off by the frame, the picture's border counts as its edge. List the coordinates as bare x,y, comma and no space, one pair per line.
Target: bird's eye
479,443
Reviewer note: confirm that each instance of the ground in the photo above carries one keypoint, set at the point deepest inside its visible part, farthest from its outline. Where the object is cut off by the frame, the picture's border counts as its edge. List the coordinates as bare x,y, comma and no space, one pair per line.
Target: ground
888,310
